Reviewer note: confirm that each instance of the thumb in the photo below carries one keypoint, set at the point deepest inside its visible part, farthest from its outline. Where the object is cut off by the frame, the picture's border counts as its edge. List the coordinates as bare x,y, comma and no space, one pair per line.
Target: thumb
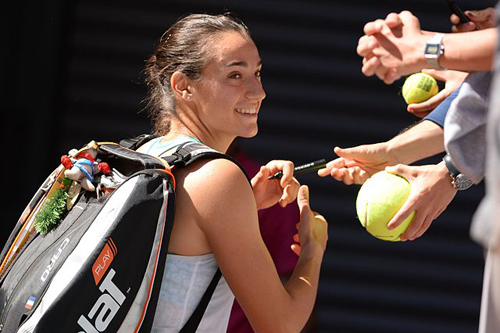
303,200
261,175
398,169
422,109
409,20
435,73
348,152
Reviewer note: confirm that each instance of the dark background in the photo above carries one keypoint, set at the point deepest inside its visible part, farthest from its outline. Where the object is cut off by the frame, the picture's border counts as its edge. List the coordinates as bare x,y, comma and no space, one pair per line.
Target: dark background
71,72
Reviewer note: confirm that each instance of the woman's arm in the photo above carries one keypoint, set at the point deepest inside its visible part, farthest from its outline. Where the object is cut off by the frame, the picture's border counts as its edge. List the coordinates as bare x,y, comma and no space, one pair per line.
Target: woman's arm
226,212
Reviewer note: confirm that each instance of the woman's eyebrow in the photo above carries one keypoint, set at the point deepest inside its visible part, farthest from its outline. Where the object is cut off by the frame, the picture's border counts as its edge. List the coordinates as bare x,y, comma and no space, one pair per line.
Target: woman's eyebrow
241,63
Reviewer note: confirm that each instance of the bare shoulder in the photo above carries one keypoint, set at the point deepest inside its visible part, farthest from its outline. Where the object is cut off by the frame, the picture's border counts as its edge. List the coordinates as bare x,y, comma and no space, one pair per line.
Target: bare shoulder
215,185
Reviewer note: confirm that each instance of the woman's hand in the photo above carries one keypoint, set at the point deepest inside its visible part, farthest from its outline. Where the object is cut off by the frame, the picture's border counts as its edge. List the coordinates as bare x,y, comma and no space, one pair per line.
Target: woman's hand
268,192
312,228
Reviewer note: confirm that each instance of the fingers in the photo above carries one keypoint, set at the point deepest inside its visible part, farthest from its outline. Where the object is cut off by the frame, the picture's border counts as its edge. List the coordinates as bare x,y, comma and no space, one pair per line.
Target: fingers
370,66
290,193
344,168
405,211
351,175
373,27
480,19
409,20
419,225
260,176
393,20
423,109
425,226
413,228
483,19
454,19
334,164
296,249
289,185
408,207
391,76
366,44
464,27
286,167
381,72
303,202
342,162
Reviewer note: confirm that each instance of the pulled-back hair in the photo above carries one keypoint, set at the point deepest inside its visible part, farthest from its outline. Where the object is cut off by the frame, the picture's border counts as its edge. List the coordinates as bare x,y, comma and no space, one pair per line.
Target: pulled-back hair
184,48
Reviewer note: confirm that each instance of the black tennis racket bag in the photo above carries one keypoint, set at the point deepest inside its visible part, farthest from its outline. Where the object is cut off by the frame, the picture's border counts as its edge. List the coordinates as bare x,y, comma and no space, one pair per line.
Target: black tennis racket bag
93,260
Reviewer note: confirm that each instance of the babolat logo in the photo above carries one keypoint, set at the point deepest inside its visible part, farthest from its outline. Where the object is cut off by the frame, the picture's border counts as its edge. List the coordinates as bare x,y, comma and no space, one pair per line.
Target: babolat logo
111,298
53,260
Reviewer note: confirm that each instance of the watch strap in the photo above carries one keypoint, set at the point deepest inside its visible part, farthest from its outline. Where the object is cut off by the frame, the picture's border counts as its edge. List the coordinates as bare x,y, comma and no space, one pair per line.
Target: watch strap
434,49
450,166
459,181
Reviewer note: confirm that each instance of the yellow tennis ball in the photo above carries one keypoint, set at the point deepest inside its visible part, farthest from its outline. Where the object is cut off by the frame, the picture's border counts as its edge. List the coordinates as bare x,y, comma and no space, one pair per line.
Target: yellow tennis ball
419,87
379,199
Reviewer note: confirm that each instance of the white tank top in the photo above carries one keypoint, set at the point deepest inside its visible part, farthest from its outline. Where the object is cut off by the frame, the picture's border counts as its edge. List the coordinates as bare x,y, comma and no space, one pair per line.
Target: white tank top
185,280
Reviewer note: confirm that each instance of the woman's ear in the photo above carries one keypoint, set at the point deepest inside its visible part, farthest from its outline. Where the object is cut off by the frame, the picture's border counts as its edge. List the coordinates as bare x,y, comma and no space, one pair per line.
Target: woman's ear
180,86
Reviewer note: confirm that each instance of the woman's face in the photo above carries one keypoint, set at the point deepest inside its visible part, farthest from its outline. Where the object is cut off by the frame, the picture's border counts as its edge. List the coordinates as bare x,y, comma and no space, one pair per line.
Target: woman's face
229,93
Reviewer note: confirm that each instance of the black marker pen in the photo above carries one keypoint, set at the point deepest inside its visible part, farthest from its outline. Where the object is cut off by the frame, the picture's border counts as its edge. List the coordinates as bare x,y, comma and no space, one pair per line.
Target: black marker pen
301,169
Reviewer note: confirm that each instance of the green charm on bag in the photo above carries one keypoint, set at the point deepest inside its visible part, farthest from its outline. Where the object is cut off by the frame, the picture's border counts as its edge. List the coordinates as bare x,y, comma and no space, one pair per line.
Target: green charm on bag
53,210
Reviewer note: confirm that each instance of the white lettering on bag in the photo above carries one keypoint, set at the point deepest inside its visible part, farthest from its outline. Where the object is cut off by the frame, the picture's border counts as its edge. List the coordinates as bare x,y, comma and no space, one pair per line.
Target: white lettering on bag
105,308
53,260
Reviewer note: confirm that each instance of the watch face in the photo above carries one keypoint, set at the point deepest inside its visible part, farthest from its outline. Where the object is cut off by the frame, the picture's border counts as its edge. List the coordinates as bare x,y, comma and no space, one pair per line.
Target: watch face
462,182
432,49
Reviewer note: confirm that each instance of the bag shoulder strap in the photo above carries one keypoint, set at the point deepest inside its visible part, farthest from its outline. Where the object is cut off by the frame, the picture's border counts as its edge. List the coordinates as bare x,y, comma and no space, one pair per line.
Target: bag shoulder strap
136,142
194,321
189,152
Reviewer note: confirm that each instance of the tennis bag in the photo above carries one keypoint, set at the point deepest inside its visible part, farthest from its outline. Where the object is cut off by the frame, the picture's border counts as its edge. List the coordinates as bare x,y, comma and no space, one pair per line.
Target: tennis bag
100,268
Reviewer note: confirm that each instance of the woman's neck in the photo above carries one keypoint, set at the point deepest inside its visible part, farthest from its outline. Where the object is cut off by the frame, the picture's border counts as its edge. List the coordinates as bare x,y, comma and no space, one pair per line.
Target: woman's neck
188,129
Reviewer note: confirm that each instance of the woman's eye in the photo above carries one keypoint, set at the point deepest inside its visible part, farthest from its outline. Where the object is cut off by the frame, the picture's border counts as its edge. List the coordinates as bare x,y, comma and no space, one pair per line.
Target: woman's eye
235,76
258,74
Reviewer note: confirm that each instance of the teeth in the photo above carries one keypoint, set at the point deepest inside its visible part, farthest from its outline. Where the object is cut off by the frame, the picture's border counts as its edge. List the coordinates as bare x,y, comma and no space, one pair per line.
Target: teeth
246,111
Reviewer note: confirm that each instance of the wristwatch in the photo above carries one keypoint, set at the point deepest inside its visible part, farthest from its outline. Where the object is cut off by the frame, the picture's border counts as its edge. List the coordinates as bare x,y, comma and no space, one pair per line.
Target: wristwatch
434,49
458,180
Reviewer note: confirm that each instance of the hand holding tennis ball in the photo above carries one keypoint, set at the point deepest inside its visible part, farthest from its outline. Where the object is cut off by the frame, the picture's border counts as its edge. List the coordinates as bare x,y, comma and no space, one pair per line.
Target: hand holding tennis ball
379,199
419,87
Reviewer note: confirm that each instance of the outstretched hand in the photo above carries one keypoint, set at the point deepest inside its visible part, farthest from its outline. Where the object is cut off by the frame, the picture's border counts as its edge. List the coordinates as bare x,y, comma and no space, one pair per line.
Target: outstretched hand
268,192
355,165
431,192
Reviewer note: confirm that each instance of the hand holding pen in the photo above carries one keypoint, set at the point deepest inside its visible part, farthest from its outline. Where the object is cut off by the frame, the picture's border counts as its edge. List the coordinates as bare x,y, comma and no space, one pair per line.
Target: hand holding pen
302,169
283,191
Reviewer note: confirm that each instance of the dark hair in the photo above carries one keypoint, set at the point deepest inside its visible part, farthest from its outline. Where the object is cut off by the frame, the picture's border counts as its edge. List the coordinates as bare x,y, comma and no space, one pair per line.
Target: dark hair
184,47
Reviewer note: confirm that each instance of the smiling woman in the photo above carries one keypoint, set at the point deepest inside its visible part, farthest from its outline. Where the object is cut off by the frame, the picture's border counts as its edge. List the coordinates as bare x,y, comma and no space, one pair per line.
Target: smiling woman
205,86
229,84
